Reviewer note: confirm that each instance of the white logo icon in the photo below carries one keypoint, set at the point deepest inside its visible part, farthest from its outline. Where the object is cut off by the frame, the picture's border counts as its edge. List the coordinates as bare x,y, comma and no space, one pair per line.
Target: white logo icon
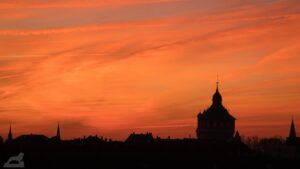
15,162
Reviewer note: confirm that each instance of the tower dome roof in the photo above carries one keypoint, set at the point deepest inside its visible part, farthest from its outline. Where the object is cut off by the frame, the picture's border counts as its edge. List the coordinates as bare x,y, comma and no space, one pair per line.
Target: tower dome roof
217,110
217,97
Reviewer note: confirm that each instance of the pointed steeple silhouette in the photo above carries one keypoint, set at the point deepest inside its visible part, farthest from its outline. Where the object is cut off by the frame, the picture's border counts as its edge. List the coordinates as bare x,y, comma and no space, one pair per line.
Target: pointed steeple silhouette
292,130
217,98
10,135
237,136
58,132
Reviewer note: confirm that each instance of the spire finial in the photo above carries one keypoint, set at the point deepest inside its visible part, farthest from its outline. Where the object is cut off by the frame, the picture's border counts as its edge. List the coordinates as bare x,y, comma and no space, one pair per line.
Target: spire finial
217,98
217,81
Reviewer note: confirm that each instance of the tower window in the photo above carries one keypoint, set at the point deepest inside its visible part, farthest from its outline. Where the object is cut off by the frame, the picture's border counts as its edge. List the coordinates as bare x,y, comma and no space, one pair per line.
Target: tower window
215,124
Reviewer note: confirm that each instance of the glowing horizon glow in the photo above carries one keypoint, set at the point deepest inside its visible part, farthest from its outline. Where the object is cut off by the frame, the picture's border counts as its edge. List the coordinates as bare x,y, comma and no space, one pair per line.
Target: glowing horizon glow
115,67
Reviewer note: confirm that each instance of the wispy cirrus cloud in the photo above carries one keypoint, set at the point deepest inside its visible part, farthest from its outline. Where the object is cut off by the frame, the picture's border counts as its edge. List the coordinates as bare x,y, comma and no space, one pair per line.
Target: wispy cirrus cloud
32,4
117,67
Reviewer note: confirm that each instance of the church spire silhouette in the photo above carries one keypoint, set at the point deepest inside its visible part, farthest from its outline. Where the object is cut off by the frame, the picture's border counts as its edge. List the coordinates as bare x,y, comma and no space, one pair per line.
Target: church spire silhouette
217,98
58,132
10,135
292,130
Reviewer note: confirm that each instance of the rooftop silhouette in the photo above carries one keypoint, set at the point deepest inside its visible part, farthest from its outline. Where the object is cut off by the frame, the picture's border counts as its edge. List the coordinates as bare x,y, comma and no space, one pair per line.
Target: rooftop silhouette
218,145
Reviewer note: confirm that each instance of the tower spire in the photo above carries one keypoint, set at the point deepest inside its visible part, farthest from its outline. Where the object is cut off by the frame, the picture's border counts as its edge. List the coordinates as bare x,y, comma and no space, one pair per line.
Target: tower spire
292,129
58,132
217,81
9,136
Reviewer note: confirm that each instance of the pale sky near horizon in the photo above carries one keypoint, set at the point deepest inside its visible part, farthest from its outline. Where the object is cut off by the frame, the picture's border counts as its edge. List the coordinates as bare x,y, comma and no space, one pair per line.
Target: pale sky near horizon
113,67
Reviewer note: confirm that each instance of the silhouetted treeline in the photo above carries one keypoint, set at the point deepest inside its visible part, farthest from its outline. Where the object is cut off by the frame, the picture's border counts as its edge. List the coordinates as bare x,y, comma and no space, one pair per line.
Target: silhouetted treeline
272,147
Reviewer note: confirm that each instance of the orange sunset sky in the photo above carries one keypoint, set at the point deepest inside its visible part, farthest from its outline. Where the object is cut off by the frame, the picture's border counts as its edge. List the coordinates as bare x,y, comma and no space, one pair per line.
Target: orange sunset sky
112,67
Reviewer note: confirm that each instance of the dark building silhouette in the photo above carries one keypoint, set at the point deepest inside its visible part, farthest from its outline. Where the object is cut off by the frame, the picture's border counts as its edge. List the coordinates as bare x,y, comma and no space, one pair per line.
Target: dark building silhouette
32,139
216,122
292,139
10,135
144,151
93,139
140,138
